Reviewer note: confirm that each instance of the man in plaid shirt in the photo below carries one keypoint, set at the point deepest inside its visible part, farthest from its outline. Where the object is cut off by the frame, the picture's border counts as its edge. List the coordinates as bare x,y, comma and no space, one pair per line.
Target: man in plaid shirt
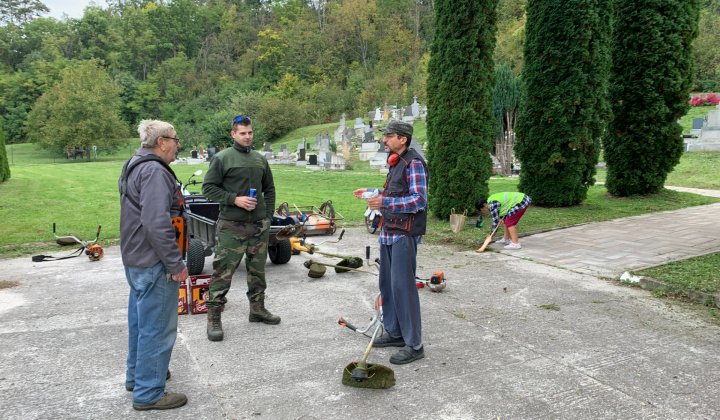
403,204
510,206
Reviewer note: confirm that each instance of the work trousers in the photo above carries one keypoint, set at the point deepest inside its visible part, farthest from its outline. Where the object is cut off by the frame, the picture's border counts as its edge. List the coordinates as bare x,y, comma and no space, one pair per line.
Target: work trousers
235,240
400,299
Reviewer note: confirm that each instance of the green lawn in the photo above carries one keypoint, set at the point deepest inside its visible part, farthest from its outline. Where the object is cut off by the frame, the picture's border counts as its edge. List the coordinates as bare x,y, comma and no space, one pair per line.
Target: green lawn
695,170
29,154
699,274
598,206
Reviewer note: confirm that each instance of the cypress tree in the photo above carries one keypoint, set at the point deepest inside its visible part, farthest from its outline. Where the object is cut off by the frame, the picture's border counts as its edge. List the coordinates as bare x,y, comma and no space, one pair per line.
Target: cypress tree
461,124
564,107
650,85
4,166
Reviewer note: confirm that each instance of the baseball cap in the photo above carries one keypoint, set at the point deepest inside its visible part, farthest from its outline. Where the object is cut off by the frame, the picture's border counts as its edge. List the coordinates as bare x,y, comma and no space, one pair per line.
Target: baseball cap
400,127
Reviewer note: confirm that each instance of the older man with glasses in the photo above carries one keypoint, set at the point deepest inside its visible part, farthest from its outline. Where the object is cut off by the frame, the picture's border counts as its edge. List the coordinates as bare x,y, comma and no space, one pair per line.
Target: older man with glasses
149,202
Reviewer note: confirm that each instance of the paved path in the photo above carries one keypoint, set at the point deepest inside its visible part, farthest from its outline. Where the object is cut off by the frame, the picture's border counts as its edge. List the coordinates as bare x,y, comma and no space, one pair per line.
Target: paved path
613,247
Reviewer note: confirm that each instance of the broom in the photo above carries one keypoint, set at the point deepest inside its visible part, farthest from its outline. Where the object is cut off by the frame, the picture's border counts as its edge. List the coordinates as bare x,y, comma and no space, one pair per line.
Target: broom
489,238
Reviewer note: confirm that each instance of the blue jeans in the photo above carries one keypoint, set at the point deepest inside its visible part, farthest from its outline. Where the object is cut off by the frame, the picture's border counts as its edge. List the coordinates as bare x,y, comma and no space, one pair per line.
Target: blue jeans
400,299
152,329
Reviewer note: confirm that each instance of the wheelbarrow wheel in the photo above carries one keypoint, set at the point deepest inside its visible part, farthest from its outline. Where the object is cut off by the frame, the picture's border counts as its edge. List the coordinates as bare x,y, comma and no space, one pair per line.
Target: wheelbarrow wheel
195,257
281,252
368,225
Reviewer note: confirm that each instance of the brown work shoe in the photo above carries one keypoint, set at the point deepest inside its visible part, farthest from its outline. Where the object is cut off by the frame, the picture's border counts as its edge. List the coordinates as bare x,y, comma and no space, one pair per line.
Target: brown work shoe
258,313
169,400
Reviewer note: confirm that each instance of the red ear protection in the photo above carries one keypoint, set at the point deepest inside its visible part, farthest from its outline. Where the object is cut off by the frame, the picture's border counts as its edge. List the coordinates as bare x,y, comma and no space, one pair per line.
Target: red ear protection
393,159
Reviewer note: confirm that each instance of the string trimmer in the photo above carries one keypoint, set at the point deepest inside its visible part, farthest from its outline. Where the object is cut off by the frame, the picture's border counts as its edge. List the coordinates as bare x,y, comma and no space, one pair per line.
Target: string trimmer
368,375
94,252
363,374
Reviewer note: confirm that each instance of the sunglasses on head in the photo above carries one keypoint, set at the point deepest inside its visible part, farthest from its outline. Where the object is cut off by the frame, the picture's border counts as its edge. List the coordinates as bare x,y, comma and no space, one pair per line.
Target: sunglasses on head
242,119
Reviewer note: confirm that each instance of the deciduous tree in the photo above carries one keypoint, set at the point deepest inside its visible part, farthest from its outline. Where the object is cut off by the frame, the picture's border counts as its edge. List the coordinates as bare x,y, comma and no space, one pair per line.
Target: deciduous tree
506,99
82,110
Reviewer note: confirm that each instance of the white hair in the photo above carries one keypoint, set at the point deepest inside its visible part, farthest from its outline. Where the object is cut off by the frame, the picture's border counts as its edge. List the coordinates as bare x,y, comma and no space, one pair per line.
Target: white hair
151,130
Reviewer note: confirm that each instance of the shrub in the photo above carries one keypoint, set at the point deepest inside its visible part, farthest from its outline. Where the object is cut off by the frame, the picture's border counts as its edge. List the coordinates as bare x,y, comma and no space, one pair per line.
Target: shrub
710,99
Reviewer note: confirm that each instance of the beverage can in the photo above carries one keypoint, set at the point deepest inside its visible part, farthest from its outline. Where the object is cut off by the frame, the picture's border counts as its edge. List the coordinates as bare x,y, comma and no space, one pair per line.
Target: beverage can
253,193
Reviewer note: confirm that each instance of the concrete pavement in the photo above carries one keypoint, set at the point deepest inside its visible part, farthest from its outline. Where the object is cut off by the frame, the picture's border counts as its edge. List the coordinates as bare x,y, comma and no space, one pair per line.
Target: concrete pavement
509,338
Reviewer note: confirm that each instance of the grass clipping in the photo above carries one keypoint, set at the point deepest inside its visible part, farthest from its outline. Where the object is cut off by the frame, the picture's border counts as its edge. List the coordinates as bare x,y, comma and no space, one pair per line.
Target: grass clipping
379,376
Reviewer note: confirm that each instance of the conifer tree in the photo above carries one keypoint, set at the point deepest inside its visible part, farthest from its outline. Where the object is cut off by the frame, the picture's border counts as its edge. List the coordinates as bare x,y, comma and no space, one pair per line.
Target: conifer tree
650,86
4,166
461,123
564,107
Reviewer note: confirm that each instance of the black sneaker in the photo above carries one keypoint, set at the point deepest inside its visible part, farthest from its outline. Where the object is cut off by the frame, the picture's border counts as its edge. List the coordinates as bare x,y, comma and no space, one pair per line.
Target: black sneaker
130,388
407,355
386,340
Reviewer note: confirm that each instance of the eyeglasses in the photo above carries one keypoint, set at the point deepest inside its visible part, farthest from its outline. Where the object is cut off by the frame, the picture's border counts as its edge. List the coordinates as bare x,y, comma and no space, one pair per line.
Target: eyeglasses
242,119
177,140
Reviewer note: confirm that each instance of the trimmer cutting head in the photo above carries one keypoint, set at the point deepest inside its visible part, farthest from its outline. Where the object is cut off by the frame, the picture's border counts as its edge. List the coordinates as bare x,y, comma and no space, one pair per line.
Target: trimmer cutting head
371,376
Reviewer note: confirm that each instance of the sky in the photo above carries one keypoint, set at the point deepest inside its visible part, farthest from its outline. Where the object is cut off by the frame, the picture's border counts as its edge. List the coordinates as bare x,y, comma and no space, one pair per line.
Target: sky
72,8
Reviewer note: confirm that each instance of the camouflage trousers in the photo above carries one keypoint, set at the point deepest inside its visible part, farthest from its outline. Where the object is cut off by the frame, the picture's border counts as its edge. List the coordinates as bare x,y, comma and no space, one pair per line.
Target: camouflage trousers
233,241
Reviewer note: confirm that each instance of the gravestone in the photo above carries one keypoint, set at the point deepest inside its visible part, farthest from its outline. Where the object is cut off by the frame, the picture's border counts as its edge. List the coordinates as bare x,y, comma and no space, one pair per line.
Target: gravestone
697,123
312,159
368,150
324,145
379,159
337,163
369,138
346,149
408,115
268,147
359,123
415,107
378,115
709,139
317,142
327,159
416,145
371,115
342,122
